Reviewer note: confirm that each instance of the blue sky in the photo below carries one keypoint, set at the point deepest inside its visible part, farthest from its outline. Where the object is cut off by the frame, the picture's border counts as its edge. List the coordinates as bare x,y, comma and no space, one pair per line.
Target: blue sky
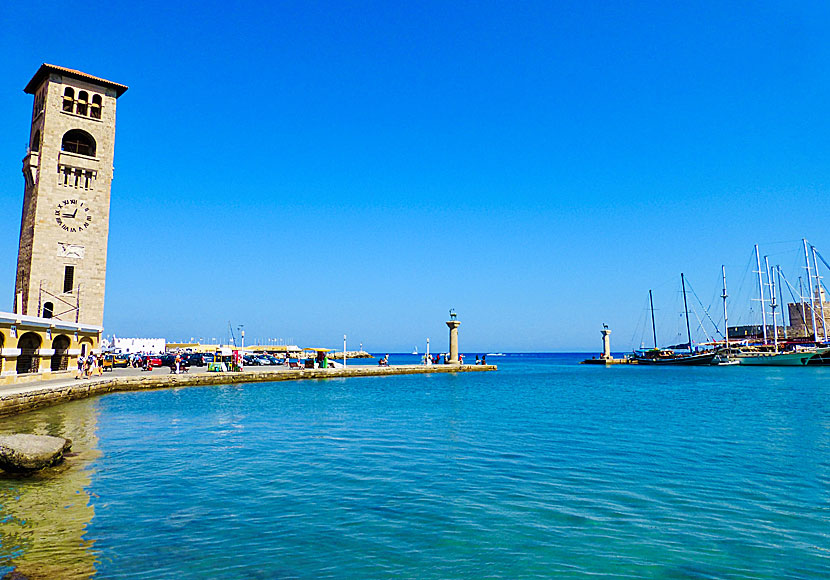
317,169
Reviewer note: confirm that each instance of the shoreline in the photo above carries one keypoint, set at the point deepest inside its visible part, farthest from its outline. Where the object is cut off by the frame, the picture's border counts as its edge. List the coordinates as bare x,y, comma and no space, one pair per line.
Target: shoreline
20,398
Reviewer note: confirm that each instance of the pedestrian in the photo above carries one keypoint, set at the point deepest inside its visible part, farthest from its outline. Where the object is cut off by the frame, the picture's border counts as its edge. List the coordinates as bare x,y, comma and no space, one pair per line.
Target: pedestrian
484,359
178,362
477,361
460,359
80,374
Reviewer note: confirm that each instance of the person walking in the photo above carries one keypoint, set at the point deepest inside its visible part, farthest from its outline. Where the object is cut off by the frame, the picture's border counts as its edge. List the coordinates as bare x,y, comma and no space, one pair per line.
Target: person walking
81,363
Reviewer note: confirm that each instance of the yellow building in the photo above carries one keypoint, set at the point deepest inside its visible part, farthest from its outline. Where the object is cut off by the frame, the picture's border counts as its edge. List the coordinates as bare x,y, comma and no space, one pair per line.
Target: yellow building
33,348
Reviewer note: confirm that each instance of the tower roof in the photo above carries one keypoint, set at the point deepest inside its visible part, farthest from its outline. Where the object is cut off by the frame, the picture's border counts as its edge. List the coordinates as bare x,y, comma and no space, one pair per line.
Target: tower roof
45,69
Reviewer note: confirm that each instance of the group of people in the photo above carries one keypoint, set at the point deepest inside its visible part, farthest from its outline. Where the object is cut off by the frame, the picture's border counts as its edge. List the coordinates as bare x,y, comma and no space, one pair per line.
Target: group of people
445,358
437,359
384,361
90,365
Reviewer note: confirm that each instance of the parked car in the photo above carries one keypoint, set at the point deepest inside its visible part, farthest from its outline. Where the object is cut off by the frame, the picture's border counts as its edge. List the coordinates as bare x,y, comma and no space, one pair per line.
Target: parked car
120,360
150,360
168,359
199,359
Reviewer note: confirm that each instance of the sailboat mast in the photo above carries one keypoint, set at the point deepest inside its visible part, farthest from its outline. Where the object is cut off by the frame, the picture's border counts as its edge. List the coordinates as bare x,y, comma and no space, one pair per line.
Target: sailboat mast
773,304
820,298
653,328
781,302
686,310
725,317
761,293
803,307
810,286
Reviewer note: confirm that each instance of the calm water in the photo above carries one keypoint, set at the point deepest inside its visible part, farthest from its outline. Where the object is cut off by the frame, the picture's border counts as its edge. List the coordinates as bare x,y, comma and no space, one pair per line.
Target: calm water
543,469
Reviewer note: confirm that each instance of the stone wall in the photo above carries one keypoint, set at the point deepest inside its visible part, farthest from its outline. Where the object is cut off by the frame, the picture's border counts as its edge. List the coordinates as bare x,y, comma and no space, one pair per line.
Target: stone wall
33,397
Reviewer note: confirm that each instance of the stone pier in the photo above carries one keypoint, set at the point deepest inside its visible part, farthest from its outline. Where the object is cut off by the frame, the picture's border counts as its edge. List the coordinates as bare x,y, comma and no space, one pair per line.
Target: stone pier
15,399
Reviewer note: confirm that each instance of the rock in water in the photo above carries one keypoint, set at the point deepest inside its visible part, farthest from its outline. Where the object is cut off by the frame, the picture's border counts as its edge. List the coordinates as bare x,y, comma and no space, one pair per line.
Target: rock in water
23,452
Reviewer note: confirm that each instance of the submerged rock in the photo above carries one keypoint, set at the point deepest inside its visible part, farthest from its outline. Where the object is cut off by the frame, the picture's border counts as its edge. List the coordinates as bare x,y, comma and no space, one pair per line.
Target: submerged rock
23,452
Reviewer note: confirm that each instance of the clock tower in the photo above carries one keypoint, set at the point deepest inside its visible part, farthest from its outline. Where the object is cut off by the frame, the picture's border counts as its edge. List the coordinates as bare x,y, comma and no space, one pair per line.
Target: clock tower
62,260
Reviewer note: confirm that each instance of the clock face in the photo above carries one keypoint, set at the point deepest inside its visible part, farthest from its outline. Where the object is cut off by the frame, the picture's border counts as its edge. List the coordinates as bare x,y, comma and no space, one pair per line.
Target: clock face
73,215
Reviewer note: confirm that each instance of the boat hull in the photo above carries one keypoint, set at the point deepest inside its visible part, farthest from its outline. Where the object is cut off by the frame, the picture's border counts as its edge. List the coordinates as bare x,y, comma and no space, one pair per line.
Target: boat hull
781,359
682,360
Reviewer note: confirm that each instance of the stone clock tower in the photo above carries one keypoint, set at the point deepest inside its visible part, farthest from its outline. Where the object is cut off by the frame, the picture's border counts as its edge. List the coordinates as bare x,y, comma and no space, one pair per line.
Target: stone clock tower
62,261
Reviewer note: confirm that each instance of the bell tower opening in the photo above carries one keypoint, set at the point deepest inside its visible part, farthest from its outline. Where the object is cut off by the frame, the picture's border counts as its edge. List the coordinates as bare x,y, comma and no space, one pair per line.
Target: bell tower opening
78,141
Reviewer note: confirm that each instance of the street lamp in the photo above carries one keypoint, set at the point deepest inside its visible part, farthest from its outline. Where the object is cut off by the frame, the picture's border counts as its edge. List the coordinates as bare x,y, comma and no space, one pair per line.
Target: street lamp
344,350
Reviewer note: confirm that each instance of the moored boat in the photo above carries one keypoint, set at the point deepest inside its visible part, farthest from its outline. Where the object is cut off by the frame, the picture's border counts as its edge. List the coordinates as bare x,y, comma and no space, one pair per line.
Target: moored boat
659,356
663,356
776,359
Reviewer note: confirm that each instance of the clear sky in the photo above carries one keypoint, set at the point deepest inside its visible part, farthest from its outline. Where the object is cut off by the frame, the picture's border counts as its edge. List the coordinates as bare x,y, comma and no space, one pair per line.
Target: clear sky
314,169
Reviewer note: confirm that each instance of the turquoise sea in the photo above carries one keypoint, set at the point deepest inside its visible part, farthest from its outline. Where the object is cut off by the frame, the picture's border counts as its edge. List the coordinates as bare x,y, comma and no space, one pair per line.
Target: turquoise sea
544,469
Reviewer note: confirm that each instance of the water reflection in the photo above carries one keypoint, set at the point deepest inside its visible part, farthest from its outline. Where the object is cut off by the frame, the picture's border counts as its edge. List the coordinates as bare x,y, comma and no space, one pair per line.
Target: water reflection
43,518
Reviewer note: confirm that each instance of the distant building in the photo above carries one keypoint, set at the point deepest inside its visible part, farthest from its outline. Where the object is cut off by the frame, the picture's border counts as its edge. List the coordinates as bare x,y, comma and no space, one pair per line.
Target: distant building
753,331
133,345
801,317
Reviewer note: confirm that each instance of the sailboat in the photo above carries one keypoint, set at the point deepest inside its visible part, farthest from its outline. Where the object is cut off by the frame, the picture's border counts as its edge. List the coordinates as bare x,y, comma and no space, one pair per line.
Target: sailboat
415,350
661,356
723,358
801,355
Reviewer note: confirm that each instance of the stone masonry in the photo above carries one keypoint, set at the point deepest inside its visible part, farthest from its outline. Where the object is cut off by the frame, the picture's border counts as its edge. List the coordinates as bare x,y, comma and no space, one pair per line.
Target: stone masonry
68,174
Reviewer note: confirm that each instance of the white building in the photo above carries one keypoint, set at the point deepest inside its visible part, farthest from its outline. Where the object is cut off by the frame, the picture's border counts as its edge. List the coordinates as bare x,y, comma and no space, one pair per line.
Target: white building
133,345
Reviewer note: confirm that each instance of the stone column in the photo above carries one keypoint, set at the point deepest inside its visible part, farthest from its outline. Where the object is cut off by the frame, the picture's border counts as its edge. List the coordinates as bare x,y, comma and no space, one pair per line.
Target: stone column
606,343
453,325
45,363
9,361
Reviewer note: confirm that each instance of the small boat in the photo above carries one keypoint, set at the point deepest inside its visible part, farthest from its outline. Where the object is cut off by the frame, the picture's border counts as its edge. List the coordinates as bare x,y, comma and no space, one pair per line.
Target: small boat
724,360
415,350
822,358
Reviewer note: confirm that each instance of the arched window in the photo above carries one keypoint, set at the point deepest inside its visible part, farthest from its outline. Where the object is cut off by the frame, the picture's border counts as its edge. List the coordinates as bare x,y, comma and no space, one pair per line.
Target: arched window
77,141
81,105
27,360
36,141
60,360
48,309
68,99
95,111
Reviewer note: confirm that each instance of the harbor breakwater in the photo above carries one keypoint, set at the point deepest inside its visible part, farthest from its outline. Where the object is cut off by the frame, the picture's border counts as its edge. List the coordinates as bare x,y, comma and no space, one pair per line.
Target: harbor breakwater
27,397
